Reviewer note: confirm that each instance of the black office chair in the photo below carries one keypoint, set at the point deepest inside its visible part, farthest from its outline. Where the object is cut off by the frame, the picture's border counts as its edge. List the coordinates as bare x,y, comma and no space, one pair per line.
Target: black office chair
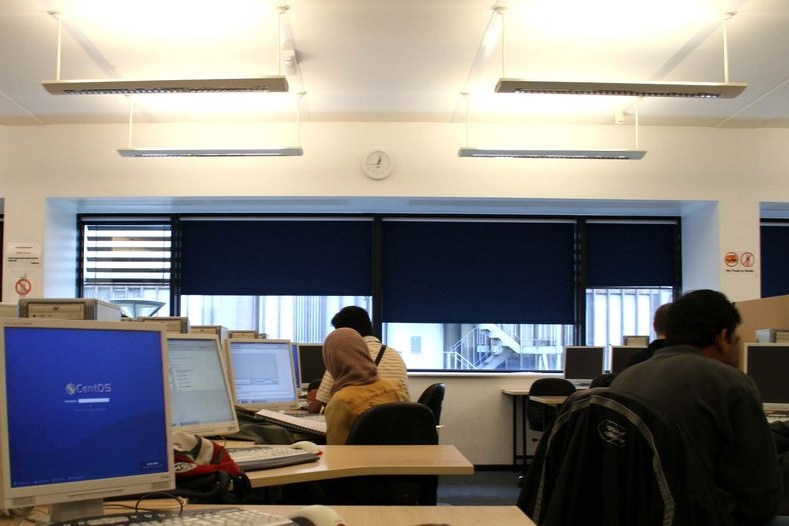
540,415
398,423
433,397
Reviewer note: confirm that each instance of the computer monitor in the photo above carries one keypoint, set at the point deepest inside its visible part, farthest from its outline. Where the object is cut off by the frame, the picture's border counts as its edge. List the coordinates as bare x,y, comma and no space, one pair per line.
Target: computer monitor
263,373
202,402
620,356
85,414
767,364
311,360
582,364
635,340
294,351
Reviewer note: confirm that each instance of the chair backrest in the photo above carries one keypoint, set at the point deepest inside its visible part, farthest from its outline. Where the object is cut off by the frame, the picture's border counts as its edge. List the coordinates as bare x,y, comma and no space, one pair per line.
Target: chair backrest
609,458
433,397
396,423
538,414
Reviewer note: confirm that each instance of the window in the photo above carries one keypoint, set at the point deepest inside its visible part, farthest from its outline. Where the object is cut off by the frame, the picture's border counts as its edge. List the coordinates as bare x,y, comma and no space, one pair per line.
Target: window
127,261
448,293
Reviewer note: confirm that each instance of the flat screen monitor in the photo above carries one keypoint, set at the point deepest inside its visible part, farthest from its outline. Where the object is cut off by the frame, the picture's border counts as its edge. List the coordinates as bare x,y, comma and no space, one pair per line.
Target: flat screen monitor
202,402
582,364
311,359
263,373
635,341
620,356
767,364
85,414
294,351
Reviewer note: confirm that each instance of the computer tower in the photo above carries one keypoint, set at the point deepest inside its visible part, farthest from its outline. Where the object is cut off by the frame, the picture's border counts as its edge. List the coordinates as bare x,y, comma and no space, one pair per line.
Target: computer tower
69,309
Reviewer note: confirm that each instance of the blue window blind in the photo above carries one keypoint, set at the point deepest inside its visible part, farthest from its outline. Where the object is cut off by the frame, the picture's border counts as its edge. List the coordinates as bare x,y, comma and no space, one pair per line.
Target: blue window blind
775,253
631,254
276,257
477,272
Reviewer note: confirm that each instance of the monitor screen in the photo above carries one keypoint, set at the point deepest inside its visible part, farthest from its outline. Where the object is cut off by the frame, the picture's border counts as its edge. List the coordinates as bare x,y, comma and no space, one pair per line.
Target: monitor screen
87,413
263,373
620,356
583,363
311,358
202,402
767,364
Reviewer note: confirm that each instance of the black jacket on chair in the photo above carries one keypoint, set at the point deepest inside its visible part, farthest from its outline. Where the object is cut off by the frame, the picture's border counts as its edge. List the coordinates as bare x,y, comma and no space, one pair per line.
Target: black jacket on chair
608,459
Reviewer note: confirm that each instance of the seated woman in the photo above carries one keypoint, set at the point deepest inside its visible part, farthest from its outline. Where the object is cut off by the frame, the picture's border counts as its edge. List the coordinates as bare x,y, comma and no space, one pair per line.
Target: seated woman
357,386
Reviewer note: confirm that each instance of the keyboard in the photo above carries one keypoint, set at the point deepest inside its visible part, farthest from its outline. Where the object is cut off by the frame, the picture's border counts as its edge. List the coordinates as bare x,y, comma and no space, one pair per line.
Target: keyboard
210,517
267,457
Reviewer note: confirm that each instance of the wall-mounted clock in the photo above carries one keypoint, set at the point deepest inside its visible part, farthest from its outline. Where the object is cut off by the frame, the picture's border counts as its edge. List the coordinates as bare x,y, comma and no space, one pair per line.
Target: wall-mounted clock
377,164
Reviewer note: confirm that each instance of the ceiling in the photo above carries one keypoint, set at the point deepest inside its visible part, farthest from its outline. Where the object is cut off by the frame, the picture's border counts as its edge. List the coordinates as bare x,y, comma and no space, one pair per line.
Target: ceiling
396,60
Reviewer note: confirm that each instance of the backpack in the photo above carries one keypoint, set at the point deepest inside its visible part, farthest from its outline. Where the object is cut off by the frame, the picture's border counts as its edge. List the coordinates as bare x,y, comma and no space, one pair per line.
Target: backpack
206,473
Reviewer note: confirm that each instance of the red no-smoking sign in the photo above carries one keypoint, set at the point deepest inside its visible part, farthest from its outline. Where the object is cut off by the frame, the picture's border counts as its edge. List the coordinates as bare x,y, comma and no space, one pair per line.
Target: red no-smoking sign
23,286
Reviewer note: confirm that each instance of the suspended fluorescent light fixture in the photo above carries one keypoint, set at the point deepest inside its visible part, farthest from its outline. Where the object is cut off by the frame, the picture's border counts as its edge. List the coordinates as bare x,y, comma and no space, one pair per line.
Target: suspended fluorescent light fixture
271,84
634,154
212,152
284,151
622,155
701,90
266,84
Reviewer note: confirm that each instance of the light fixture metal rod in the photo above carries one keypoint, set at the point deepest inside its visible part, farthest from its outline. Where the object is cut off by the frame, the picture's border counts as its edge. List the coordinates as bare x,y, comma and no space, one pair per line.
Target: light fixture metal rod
499,10
131,120
726,19
298,117
59,47
283,9
466,96
636,125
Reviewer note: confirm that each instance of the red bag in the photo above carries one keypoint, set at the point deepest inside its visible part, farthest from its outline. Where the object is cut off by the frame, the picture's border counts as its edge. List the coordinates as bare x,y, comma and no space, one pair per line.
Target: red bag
207,473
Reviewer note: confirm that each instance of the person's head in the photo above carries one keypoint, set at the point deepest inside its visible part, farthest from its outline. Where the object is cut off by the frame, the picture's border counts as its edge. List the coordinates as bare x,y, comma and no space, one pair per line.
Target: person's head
355,318
347,359
660,320
707,320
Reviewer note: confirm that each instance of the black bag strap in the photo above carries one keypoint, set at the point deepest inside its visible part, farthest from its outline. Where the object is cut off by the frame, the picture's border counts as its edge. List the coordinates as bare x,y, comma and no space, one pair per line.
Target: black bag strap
380,354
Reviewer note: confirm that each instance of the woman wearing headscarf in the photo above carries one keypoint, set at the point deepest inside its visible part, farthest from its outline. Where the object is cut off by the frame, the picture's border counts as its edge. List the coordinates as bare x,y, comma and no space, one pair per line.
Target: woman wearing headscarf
357,386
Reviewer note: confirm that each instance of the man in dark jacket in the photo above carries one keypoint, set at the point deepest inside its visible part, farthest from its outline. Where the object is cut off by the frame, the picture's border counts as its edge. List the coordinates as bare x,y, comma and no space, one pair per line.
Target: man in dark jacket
694,381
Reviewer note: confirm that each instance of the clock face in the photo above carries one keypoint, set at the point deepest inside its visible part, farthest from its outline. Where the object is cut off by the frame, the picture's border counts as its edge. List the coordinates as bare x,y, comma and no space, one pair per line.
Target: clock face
377,164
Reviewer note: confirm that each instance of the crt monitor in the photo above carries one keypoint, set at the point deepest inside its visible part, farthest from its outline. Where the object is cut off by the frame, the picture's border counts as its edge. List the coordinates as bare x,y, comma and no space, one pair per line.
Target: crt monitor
201,399
311,359
263,373
620,356
583,363
86,414
767,364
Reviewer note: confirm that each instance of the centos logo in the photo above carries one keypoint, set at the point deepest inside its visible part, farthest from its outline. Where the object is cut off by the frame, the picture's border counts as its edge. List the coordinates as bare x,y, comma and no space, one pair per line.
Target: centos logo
77,389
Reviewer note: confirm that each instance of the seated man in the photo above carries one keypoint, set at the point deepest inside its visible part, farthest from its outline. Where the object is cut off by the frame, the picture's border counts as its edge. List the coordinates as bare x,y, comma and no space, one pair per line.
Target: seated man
389,362
694,381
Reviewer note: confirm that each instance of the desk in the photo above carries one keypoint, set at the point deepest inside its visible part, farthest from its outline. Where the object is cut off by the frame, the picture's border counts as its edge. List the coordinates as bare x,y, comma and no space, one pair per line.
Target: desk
519,397
351,461
392,515
549,400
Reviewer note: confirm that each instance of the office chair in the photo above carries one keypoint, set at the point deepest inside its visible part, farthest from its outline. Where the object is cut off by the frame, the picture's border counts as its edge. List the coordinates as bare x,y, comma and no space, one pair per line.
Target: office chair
433,397
609,459
398,423
540,415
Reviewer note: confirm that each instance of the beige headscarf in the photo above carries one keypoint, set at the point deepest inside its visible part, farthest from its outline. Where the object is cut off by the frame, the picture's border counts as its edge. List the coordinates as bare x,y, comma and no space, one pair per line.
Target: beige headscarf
347,359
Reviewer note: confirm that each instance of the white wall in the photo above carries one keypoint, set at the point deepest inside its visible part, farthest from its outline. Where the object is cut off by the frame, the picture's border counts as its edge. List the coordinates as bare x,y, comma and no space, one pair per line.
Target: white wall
715,178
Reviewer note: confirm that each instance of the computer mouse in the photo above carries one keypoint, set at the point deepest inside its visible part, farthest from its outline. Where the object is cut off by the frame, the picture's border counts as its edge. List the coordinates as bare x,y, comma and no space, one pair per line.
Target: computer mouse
316,515
308,446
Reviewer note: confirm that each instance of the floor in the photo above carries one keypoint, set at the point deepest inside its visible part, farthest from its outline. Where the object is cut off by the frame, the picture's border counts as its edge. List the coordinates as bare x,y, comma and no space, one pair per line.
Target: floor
484,488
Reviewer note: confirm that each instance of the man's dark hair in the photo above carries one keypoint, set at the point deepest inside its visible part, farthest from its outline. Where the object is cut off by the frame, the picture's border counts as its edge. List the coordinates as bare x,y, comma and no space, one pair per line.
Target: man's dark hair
697,317
660,321
355,318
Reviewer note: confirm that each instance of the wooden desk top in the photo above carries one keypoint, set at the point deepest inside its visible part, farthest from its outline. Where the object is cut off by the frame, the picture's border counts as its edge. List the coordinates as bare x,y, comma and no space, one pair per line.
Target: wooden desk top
350,461
394,515
549,400
516,391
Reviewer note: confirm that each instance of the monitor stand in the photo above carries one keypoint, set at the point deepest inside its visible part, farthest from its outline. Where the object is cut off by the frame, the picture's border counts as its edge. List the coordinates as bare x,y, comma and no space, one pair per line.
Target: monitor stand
68,511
